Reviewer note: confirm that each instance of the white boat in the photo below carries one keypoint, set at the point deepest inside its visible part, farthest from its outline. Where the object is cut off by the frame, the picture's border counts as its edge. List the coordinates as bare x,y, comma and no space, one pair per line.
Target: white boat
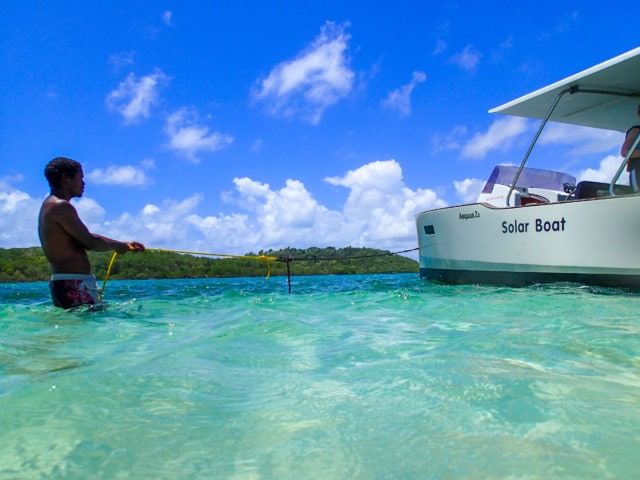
536,226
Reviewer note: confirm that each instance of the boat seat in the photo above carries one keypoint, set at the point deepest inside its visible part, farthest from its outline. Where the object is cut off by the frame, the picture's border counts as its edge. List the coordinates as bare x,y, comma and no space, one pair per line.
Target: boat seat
587,189
532,199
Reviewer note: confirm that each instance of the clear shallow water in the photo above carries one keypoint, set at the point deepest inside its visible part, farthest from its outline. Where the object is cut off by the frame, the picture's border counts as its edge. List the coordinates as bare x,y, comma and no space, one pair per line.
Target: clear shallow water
348,377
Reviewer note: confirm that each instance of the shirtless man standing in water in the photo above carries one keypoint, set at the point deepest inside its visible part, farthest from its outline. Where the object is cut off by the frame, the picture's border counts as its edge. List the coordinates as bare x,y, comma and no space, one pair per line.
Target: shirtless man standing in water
65,239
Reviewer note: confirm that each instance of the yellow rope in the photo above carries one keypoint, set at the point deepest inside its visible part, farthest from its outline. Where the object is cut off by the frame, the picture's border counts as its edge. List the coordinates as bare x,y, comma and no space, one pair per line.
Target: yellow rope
265,258
106,275
254,257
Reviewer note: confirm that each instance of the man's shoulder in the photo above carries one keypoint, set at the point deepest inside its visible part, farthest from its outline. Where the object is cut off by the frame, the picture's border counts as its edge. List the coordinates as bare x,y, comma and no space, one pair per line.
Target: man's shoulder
53,205
56,201
635,127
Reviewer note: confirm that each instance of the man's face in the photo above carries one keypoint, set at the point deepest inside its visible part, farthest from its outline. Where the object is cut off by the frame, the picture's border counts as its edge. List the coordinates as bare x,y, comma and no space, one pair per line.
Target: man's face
77,184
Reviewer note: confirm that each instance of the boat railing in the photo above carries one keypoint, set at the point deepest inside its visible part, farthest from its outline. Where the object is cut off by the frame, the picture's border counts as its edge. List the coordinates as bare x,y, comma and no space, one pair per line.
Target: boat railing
624,163
534,141
572,90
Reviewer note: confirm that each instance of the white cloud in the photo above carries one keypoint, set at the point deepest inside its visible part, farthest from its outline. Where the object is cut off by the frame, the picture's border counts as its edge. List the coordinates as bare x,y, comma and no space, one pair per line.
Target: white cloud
501,135
148,163
126,175
584,140
256,146
160,226
166,18
378,212
18,218
469,189
505,132
604,173
380,208
121,60
316,79
468,59
441,47
400,99
134,97
149,210
451,141
442,32
289,216
188,137
90,211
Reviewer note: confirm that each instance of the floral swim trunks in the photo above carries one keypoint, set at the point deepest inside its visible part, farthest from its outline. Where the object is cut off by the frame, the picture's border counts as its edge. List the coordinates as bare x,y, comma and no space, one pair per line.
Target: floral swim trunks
70,290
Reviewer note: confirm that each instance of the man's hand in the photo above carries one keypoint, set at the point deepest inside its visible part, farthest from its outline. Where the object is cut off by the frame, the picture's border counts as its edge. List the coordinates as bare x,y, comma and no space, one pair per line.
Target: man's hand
124,247
136,247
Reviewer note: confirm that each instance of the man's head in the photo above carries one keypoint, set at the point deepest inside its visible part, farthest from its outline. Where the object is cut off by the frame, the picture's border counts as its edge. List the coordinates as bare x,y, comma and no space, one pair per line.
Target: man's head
57,168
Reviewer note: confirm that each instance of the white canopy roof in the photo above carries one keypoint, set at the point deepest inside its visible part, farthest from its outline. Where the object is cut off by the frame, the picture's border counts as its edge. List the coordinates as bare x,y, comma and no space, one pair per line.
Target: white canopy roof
620,74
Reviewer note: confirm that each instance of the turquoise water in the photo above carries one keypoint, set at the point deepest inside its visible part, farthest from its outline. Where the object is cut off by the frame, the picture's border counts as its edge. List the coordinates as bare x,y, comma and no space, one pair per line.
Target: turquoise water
347,377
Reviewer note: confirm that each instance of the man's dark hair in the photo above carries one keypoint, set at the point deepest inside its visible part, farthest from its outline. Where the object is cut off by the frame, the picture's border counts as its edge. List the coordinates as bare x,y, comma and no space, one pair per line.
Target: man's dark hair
58,167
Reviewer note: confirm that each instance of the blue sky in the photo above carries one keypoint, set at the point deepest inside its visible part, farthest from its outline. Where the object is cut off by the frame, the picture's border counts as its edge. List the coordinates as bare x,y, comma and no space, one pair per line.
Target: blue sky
239,126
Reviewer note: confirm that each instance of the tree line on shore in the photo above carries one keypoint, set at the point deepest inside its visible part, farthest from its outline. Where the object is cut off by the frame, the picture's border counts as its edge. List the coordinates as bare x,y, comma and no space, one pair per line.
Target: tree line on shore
30,264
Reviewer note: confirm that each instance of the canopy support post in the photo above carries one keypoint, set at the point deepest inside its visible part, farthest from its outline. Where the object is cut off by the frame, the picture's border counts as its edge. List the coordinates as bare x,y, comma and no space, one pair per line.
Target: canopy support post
535,139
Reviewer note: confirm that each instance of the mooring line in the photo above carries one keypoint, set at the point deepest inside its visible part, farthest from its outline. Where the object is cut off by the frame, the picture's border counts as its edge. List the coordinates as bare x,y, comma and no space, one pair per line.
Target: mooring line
288,260
207,254
265,258
316,259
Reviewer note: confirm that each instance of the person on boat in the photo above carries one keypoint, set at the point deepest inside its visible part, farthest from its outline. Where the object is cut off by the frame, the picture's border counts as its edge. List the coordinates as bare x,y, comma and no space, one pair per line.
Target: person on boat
633,167
65,239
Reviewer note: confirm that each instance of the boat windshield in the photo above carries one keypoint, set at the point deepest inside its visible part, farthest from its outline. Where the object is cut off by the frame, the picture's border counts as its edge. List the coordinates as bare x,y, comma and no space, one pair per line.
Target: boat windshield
530,178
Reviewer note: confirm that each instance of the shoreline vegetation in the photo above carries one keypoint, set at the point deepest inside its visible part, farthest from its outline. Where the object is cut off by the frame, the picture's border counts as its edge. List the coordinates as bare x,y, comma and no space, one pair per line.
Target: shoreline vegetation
30,264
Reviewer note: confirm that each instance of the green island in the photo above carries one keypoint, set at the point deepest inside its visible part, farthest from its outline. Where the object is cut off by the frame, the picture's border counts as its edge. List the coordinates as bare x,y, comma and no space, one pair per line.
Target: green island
30,265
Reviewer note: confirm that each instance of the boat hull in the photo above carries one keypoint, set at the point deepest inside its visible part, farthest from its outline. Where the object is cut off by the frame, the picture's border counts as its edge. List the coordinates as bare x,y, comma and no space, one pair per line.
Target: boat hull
593,241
